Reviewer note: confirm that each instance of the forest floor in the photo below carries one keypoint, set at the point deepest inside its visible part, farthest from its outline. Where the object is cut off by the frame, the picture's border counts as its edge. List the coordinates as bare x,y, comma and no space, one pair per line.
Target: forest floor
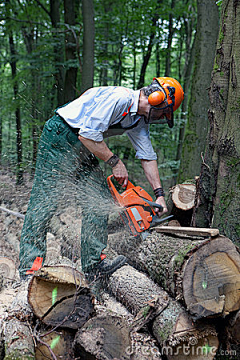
14,198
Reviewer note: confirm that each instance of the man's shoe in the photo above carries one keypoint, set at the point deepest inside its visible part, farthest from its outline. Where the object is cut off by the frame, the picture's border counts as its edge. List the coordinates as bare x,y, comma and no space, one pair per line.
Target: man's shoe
107,267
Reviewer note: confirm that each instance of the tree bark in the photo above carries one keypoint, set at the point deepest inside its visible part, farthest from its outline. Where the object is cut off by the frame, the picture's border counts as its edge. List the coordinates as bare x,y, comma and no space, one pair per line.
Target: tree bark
88,44
18,340
197,125
219,180
17,331
195,271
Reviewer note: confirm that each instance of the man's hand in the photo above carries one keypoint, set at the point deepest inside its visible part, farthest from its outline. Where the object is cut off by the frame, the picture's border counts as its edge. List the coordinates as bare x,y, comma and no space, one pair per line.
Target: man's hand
161,201
120,173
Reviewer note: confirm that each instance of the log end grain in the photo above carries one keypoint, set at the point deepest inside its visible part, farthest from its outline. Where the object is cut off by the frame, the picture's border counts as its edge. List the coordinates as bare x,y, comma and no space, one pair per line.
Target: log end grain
211,281
103,337
7,269
183,196
60,296
55,343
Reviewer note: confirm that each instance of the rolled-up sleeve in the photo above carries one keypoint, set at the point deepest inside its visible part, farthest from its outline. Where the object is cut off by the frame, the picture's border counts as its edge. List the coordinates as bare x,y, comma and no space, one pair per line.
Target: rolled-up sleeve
140,139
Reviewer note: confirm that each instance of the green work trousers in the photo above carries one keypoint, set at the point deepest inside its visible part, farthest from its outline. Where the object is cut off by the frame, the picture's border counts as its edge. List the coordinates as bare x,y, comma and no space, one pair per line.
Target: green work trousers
64,169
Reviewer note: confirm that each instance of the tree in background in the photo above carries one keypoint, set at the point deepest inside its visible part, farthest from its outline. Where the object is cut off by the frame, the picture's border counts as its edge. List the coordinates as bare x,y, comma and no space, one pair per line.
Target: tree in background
197,124
133,41
88,44
219,201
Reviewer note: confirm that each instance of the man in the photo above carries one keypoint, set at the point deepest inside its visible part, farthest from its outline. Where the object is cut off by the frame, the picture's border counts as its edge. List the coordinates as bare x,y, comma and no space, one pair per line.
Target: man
70,144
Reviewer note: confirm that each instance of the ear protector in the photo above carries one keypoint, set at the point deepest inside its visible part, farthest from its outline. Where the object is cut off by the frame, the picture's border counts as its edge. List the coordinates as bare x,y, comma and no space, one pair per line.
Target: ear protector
156,98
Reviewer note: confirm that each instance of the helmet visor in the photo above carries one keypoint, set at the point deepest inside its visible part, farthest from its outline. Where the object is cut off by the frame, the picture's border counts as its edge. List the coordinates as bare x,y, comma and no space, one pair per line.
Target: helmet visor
162,115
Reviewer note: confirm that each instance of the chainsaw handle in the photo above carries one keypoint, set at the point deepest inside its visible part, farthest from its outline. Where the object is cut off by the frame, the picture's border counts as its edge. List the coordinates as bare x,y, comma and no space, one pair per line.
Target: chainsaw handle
156,220
153,204
111,185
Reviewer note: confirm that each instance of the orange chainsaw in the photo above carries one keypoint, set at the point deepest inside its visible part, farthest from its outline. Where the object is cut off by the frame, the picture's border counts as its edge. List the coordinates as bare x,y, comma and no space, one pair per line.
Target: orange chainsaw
138,208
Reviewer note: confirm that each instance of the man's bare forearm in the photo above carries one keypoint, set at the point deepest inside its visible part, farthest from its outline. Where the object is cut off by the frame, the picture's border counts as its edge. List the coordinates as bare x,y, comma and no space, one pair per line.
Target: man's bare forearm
98,148
151,171
101,150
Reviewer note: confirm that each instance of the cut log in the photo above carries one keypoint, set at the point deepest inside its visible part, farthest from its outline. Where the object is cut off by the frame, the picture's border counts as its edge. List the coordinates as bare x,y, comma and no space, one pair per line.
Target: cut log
103,337
143,345
55,343
181,203
202,273
7,270
171,325
183,196
60,296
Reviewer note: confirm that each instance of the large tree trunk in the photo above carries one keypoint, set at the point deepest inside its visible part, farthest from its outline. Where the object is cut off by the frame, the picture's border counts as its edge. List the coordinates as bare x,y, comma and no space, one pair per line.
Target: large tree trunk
88,44
17,332
197,126
202,273
219,181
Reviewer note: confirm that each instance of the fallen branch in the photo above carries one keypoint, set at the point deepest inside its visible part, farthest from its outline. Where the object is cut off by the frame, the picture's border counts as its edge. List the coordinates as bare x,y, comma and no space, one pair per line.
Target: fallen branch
15,213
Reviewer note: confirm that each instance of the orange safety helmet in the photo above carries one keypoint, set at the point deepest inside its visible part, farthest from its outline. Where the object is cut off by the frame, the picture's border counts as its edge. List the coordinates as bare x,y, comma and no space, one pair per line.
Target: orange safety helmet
157,97
170,94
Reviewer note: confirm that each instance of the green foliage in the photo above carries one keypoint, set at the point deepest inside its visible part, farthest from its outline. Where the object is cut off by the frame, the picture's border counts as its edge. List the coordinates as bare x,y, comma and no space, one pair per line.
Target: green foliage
122,35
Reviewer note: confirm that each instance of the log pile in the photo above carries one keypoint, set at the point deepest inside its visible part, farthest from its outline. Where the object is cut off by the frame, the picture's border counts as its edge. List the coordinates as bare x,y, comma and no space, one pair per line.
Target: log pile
178,297
175,292
202,273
